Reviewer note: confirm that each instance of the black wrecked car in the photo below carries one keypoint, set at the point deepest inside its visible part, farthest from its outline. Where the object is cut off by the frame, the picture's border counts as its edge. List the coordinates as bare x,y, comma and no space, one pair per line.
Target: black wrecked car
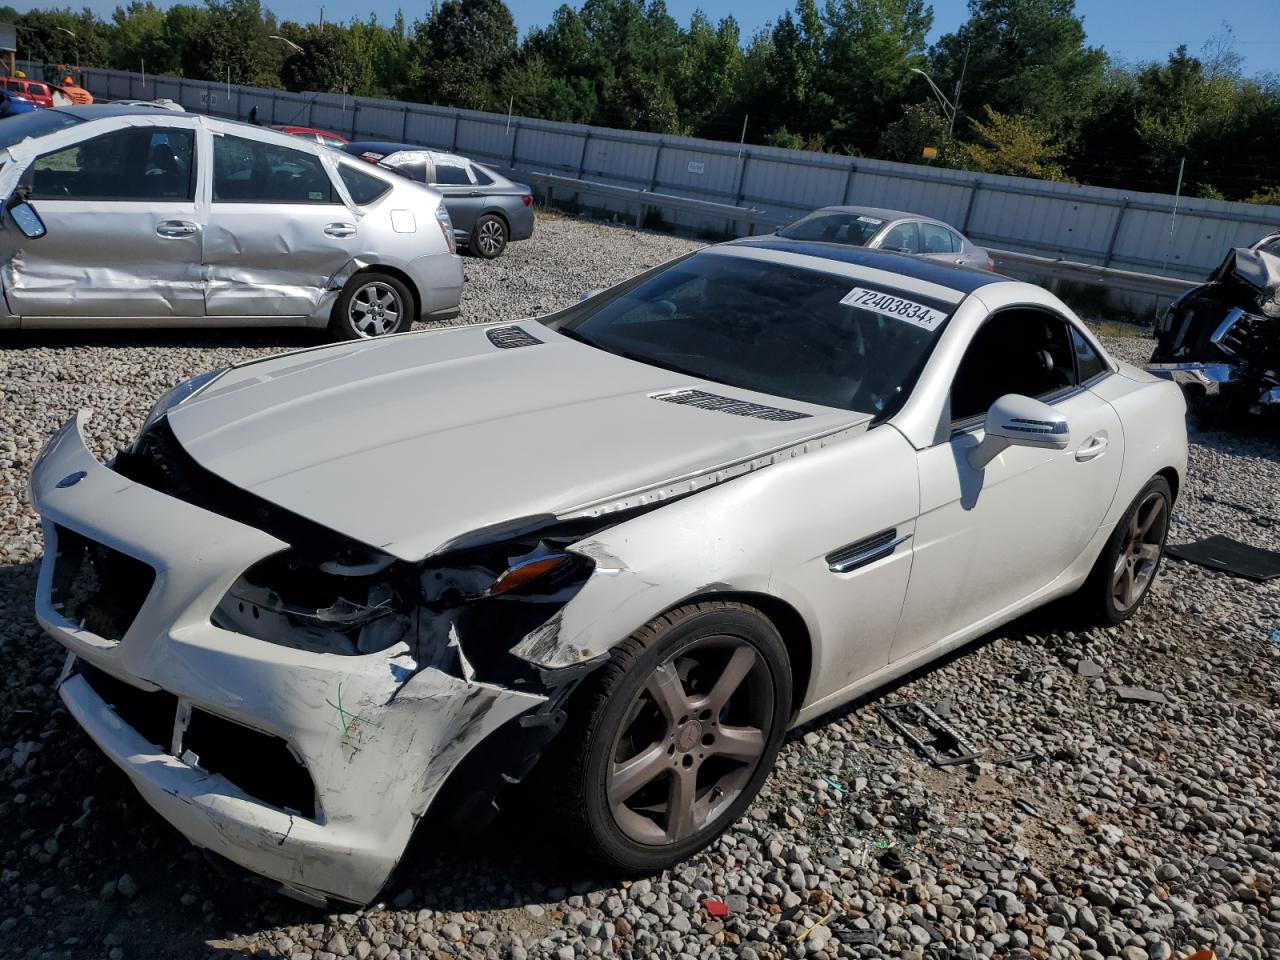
1221,340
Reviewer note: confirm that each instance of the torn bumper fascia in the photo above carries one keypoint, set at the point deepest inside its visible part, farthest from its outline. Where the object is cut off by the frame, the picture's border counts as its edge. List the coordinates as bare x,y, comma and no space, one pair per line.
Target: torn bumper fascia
1208,377
378,747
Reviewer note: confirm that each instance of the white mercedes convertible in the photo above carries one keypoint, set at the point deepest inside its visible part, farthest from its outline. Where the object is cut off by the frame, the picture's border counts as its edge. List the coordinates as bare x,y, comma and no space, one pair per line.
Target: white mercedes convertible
615,552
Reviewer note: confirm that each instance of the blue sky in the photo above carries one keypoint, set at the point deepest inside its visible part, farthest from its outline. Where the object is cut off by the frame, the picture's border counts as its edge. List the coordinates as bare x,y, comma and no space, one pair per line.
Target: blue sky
1134,30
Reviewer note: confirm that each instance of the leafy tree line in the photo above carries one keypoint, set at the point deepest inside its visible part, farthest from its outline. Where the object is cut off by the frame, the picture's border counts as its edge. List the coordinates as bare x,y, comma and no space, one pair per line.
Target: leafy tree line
847,76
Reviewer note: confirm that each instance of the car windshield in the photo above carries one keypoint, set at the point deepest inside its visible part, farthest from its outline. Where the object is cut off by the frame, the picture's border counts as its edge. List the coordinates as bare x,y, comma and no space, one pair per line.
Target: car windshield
27,125
834,226
783,330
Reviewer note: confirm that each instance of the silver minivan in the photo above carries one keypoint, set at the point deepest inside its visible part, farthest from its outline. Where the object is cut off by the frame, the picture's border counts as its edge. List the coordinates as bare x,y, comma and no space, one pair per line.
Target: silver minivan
132,216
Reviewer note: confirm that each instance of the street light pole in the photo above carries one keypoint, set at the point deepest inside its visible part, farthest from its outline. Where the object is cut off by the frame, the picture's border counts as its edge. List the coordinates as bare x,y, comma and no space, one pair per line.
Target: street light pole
948,108
285,40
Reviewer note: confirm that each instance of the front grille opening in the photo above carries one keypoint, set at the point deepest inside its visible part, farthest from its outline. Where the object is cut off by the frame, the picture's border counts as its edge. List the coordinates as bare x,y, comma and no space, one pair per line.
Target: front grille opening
259,764
151,713
97,587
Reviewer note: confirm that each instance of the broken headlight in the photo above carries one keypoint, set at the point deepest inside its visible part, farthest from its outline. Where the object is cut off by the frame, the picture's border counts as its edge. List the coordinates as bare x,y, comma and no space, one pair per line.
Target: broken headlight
178,394
462,612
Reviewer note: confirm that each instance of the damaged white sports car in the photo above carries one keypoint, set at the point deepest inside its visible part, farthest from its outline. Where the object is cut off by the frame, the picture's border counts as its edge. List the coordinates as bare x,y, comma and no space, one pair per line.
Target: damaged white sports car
631,544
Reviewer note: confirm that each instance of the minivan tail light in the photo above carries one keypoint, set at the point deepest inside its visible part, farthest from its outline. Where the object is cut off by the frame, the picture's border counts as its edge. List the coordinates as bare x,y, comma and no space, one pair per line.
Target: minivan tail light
446,227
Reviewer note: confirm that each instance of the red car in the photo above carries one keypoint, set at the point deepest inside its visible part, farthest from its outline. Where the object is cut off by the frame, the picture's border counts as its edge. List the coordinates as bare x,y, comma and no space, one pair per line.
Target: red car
33,90
326,137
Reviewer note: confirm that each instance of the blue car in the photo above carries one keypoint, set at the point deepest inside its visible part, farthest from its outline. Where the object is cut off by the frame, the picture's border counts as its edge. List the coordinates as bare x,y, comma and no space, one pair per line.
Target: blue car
12,104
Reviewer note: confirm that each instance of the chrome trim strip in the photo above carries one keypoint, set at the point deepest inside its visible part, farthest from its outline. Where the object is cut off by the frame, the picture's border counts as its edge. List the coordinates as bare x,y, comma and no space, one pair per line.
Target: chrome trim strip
1208,376
1216,338
838,563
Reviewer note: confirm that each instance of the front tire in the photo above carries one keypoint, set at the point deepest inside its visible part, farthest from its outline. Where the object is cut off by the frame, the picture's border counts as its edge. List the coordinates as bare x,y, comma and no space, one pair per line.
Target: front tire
371,305
1127,566
671,740
488,236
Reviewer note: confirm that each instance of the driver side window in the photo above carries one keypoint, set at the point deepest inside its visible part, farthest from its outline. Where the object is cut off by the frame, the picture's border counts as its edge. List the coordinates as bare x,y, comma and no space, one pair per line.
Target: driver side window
904,238
1027,352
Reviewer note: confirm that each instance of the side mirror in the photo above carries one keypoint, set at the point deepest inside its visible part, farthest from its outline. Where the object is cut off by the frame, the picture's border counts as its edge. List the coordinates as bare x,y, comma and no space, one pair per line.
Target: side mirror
589,294
1015,420
27,220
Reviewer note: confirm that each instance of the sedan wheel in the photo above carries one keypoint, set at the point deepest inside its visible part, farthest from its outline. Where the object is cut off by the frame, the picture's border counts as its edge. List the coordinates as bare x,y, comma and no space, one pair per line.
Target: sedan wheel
669,741
1139,554
1126,568
489,236
693,738
371,305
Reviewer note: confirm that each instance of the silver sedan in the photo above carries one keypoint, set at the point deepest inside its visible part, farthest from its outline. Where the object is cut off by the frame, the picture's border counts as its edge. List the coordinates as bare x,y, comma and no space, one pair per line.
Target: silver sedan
488,210
133,216
895,230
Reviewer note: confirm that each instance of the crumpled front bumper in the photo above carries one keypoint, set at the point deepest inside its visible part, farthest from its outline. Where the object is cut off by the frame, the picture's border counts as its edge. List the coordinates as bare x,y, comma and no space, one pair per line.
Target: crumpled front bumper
376,739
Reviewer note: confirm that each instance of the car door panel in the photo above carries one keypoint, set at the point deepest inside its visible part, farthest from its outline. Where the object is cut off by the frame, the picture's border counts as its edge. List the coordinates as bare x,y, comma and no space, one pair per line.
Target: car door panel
844,506
124,230
988,538
277,231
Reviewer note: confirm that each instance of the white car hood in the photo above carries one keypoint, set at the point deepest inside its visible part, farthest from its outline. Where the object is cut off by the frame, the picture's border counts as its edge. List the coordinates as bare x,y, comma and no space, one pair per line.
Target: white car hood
411,443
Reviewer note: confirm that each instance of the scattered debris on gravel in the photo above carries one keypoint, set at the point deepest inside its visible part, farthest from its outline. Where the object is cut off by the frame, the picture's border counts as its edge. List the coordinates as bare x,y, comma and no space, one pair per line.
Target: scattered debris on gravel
1125,801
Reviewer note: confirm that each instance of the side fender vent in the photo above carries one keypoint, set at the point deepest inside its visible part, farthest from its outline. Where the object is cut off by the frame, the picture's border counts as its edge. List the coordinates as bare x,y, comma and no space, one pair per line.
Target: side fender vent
739,408
508,338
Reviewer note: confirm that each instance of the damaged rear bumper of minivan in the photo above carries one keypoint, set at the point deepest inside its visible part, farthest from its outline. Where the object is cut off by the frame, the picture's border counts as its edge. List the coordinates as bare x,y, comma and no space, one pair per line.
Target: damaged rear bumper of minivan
244,720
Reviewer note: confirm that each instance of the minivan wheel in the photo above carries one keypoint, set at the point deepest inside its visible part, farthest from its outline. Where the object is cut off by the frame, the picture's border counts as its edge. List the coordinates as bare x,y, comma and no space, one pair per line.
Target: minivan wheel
488,236
371,305
669,742
1127,566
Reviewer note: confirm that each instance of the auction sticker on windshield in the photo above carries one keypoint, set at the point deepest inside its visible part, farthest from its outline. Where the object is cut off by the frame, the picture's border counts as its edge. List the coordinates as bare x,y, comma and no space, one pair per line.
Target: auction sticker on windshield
893,306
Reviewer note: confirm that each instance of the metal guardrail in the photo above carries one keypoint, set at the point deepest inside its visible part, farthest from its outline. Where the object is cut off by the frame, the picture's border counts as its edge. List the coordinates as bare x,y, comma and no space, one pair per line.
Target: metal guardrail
1122,280
642,200
553,187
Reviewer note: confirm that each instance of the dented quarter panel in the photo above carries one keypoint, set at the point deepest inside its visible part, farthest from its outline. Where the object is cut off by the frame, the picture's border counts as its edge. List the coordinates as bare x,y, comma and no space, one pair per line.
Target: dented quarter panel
378,737
767,532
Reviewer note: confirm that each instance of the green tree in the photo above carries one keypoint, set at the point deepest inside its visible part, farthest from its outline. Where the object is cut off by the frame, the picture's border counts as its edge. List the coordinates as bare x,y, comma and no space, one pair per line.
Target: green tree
709,74
327,60
231,39
921,125
1022,57
62,37
1015,146
461,51
866,57
535,89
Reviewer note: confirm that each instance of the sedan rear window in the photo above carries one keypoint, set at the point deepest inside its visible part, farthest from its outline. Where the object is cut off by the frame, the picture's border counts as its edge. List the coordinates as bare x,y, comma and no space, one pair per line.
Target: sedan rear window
363,187
787,331
854,229
23,126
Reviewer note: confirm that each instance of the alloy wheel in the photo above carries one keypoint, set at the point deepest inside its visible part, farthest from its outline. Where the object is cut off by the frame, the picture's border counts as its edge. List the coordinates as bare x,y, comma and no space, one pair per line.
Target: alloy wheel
490,238
1140,551
691,740
375,309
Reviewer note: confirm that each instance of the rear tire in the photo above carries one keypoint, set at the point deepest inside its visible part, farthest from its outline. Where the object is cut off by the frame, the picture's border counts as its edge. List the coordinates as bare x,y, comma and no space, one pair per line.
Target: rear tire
372,304
488,237
1122,576
671,740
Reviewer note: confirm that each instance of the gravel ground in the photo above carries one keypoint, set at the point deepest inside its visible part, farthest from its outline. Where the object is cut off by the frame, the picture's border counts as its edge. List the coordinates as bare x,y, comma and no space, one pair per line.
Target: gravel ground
1138,830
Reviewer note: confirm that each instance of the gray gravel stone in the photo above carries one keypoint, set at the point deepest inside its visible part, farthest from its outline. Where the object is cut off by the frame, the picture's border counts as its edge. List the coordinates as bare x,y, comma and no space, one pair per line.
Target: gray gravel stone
1159,815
